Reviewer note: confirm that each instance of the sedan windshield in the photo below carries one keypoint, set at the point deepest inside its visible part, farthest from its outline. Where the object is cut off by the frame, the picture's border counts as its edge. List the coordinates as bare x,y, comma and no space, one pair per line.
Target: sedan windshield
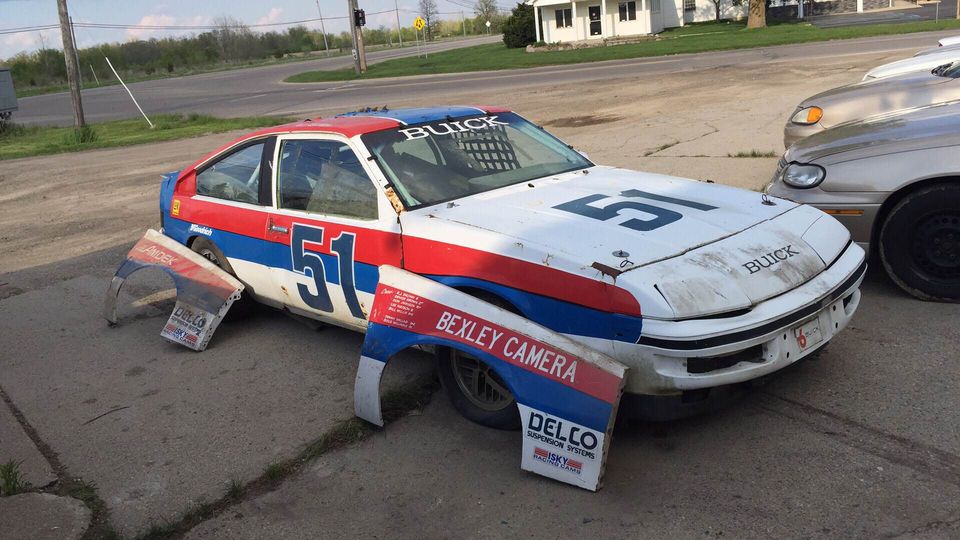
948,70
440,161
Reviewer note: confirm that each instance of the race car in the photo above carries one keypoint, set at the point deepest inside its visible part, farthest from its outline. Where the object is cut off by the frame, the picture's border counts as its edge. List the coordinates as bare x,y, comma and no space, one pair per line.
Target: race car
694,286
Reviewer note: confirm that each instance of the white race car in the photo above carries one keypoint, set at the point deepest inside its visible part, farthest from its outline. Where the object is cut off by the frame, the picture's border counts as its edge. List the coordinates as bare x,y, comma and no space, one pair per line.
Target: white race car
692,285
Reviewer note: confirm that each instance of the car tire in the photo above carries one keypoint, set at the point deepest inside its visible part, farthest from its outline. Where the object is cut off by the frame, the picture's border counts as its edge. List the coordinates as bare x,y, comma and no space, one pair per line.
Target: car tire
920,243
208,250
474,389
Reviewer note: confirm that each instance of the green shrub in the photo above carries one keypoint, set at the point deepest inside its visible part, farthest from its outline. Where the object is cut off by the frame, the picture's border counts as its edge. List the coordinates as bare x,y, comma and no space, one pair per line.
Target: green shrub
518,29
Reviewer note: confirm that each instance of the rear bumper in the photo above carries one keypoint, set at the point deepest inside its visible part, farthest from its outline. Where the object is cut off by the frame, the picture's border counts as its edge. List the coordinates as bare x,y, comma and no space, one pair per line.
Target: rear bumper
674,357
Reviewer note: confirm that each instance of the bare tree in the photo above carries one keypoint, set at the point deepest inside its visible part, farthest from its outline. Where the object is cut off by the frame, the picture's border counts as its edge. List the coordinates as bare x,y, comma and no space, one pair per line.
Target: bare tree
486,10
428,10
757,17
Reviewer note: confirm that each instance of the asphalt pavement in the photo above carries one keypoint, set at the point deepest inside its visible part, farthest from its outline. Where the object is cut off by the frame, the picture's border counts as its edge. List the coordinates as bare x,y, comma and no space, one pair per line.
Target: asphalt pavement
260,91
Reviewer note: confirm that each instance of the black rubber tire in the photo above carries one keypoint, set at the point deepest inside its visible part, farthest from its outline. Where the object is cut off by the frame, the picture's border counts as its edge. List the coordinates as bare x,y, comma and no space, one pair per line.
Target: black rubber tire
245,305
507,418
920,243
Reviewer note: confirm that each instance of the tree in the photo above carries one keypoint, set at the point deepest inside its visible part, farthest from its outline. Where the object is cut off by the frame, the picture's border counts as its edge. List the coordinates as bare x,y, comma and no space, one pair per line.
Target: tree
428,10
757,17
486,10
718,4
518,29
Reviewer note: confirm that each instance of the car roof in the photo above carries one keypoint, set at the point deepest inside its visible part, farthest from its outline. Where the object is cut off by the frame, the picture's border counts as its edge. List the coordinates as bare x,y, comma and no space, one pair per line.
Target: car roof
357,123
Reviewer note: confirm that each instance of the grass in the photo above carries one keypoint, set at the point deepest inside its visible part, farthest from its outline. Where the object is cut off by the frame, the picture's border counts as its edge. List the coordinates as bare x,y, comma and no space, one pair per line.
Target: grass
18,141
754,154
690,39
11,481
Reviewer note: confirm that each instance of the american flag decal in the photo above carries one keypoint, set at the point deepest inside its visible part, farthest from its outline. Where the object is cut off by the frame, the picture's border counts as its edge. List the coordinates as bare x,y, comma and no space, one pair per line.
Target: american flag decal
541,453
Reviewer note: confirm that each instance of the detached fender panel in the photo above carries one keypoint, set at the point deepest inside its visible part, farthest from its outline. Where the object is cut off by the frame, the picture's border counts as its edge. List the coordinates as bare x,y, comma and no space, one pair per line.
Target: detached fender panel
567,393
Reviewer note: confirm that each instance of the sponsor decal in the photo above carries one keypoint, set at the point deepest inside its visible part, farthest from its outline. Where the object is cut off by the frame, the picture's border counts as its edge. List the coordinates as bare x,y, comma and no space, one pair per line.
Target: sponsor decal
770,259
414,313
562,434
449,128
200,229
175,209
158,255
558,461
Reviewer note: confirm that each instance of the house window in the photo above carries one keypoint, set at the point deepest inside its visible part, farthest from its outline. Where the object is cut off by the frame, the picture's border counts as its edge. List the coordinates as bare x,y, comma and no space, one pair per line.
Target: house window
564,18
628,11
689,5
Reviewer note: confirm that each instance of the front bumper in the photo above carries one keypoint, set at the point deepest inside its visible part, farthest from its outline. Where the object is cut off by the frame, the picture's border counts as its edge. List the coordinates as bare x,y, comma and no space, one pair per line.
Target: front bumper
857,211
673,357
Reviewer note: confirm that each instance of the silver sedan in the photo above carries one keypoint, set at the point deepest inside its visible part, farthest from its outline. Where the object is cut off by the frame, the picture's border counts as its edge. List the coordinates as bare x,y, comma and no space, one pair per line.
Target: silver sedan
869,98
894,181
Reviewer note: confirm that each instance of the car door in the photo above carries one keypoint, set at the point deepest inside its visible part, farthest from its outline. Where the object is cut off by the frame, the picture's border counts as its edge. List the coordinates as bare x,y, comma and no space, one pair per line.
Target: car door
331,229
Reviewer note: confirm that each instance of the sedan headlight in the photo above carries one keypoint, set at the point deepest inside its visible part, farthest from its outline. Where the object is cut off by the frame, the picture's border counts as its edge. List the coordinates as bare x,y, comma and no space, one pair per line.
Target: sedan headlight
803,176
807,116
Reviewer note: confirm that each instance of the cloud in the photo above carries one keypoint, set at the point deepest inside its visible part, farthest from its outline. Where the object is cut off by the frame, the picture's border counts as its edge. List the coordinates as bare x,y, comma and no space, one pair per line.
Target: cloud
13,44
271,17
134,34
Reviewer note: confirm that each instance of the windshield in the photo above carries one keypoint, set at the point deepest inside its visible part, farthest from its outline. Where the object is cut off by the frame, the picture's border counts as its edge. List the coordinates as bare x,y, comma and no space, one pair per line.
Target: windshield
439,161
948,70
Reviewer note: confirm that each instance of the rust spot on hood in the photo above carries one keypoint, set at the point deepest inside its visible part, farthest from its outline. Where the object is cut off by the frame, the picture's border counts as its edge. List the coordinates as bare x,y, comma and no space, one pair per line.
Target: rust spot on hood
394,200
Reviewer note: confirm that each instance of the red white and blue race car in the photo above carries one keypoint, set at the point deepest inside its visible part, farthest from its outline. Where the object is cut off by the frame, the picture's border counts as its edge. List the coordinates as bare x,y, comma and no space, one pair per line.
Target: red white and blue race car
692,285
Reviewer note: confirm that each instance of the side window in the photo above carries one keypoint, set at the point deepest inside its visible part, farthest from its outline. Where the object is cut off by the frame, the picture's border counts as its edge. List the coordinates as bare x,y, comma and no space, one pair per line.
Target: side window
235,177
325,177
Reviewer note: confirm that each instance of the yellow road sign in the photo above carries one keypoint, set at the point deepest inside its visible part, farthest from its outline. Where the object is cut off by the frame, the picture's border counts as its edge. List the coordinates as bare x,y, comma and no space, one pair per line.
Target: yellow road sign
419,23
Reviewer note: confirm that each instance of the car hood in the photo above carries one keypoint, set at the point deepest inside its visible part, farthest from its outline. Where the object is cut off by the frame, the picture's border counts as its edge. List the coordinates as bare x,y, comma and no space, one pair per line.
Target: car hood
916,63
877,96
690,266
900,131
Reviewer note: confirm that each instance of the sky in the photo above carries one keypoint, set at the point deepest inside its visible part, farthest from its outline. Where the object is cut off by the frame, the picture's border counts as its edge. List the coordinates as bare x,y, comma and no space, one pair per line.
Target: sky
22,13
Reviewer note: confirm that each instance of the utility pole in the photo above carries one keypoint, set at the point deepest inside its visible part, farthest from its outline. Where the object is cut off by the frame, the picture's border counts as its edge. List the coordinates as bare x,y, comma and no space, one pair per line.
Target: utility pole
326,48
396,9
70,57
463,21
359,55
76,51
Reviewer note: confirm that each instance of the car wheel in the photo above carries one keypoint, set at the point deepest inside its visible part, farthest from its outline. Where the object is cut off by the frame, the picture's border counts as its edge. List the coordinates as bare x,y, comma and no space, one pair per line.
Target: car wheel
920,243
473,387
212,253
241,308
476,391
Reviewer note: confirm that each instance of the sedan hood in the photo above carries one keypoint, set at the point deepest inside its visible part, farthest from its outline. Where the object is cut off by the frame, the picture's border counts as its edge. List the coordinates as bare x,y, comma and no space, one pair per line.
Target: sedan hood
877,96
937,125
682,248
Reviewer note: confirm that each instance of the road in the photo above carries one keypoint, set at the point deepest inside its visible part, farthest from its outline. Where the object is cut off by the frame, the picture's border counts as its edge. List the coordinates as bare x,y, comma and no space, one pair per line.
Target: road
260,91
236,92
946,9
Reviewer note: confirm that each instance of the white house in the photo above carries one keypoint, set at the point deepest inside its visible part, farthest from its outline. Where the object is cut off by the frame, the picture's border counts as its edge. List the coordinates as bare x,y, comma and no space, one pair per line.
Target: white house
582,20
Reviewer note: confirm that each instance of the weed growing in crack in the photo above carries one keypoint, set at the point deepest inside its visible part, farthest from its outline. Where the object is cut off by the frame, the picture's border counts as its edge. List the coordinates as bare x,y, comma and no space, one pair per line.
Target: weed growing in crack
11,481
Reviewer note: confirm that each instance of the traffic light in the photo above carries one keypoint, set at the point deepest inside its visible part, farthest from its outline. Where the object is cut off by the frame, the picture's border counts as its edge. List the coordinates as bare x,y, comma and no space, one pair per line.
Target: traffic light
359,17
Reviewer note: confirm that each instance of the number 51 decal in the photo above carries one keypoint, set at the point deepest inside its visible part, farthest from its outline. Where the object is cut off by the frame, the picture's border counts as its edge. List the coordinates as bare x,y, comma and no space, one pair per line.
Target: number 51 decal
311,265
662,216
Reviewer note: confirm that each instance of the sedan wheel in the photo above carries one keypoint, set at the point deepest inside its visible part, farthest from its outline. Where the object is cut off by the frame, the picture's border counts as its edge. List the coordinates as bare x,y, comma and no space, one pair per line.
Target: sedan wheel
920,243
